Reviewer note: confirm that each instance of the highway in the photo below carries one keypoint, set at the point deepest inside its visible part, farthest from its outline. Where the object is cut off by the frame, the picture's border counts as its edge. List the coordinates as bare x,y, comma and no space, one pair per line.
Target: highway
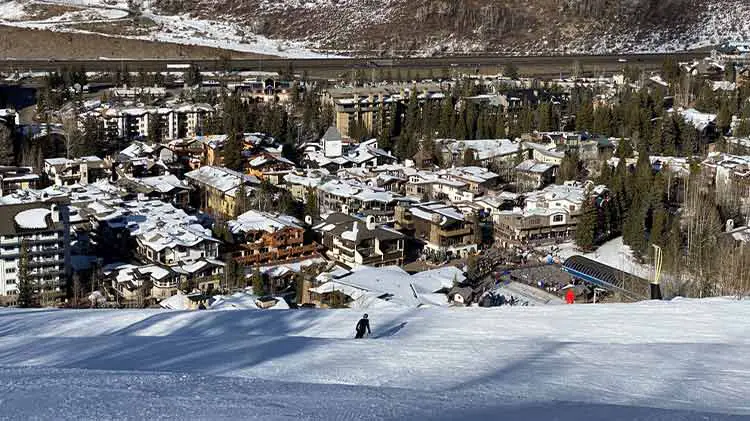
527,65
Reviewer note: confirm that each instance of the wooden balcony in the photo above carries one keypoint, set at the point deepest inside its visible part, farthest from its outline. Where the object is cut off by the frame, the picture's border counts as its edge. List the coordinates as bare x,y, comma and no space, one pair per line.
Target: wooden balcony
278,256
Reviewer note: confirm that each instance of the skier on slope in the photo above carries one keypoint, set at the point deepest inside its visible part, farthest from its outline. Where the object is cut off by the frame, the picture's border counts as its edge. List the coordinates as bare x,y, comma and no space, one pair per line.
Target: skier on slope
362,325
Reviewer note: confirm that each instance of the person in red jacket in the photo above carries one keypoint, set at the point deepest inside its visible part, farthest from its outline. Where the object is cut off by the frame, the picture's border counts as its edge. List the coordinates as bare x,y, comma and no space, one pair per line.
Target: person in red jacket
570,296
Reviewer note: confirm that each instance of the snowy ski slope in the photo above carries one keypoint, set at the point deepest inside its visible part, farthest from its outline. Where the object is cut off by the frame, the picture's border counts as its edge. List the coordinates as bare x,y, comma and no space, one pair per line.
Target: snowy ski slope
678,360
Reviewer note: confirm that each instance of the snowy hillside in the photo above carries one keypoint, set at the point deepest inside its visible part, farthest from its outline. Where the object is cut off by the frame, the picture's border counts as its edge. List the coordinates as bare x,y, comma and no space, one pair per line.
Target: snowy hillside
674,360
323,28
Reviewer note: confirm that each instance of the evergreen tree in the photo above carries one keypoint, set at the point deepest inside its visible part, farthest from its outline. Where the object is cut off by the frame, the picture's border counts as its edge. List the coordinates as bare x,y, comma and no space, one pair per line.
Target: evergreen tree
447,118
7,155
569,167
259,287
669,136
193,76
500,123
743,126
311,203
526,120
603,121
25,289
605,174
154,128
724,118
587,224
585,118
659,227
241,204
233,152
510,71
544,117
471,121
624,149
461,132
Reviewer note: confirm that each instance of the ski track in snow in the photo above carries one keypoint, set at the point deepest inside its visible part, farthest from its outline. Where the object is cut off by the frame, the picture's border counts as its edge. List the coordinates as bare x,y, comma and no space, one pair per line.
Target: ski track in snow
678,360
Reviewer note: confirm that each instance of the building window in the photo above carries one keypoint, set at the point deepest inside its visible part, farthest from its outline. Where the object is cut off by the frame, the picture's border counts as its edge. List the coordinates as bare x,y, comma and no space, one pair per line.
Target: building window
10,270
557,218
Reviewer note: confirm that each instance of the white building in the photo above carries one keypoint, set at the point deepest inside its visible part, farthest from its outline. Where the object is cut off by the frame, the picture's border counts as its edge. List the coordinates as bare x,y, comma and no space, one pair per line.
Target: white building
38,226
84,170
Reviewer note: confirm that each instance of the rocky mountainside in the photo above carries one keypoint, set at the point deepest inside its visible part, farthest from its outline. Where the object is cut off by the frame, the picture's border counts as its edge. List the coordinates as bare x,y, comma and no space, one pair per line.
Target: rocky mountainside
502,26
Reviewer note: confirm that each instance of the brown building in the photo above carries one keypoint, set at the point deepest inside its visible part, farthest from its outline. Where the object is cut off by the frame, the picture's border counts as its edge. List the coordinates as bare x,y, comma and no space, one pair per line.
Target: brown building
444,230
355,242
265,239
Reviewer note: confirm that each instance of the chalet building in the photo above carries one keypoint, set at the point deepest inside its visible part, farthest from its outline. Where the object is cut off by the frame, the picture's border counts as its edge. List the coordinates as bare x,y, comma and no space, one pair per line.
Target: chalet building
533,175
442,228
500,155
13,179
216,189
81,171
348,196
355,242
166,188
264,239
270,167
547,217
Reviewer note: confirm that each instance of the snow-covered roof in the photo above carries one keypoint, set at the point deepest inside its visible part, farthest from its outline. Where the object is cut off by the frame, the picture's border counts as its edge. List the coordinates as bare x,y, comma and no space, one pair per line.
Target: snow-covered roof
220,178
698,119
163,183
367,285
253,220
471,174
33,218
485,148
533,166
441,212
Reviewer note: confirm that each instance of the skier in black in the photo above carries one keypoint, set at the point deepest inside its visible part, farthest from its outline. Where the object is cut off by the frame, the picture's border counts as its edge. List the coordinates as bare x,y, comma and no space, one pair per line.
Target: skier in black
362,325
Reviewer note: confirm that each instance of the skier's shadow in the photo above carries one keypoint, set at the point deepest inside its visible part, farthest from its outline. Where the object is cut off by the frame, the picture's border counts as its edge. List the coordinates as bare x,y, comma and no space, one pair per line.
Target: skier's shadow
391,331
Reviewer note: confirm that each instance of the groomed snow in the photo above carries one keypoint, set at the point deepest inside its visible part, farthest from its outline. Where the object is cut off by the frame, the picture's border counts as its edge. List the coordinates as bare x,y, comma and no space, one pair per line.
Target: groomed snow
678,360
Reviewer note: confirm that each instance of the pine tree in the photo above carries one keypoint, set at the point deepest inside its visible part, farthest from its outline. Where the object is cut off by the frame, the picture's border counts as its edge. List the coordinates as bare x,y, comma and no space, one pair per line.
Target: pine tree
311,203
569,167
585,118
447,118
605,174
587,224
462,132
603,121
25,289
724,118
544,117
154,128
500,123
232,152
624,149
471,121
659,227
510,71
6,145
259,287
526,120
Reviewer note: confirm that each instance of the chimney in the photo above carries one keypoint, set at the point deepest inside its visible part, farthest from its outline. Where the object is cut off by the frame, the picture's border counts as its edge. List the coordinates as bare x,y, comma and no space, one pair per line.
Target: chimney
370,222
